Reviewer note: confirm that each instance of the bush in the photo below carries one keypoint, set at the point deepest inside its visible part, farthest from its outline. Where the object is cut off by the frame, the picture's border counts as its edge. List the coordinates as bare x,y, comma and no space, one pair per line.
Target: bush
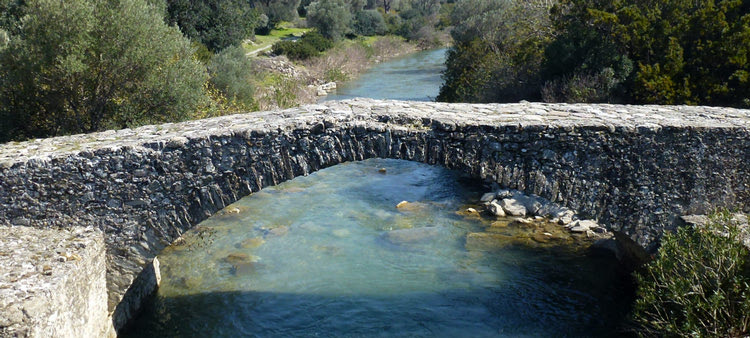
699,285
294,50
369,22
581,88
311,44
317,41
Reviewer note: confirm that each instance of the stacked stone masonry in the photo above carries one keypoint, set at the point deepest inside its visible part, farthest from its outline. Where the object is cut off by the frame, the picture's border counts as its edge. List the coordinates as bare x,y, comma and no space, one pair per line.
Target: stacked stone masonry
634,169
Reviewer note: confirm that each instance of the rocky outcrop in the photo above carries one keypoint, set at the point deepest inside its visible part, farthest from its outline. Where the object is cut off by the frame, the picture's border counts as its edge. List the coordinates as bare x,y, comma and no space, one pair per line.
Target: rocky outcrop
634,169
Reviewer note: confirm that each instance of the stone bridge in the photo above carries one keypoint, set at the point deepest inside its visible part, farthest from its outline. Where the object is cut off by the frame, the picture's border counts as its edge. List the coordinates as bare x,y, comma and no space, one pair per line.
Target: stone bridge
134,191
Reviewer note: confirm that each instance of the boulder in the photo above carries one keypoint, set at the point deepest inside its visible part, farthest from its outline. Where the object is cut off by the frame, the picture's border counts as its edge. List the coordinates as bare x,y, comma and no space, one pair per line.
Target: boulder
487,197
503,193
496,209
513,207
532,203
632,255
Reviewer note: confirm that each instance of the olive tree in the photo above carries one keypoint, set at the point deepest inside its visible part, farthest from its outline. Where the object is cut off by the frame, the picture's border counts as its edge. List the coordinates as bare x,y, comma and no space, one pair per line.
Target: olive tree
332,18
85,65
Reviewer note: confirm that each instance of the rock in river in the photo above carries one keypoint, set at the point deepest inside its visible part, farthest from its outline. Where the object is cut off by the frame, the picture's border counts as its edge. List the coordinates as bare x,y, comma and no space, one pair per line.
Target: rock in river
513,207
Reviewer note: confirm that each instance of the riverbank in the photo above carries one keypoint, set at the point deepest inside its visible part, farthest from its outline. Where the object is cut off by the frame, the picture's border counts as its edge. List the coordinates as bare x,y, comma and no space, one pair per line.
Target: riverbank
283,83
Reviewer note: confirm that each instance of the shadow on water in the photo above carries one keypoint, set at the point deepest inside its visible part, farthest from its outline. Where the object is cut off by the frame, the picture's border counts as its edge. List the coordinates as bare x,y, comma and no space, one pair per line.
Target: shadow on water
565,307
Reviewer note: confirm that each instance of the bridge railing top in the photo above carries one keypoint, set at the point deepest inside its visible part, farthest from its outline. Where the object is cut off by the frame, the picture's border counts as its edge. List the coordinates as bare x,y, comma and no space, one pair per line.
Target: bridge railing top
396,114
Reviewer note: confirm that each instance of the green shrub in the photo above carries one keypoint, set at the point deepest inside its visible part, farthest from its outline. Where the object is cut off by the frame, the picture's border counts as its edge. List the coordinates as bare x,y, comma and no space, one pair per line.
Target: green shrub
317,41
311,44
217,24
699,285
294,50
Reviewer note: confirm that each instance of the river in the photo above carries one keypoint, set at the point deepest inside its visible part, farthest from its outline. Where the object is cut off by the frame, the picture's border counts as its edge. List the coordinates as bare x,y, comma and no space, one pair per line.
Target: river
330,255
413,77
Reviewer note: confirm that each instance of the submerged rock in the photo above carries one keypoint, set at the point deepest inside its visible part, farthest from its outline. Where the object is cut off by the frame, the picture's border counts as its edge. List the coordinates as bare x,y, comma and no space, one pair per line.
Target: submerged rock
245,268
341,233
251,243
237,257
408,236
410,206
279,231
485,241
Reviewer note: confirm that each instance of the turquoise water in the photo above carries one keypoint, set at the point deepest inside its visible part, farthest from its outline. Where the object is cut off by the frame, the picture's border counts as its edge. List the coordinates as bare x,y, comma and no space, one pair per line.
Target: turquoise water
414,77
330,255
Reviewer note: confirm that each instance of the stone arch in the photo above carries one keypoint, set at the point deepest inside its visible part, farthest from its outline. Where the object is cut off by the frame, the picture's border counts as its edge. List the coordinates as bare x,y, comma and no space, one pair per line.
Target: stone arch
634,169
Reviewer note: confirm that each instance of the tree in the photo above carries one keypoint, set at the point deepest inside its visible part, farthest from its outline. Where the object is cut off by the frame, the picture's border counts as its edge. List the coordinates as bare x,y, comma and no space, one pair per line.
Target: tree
332,18
84,65
231,74
497,53
276,11
369,22
11,12
215,23
665,52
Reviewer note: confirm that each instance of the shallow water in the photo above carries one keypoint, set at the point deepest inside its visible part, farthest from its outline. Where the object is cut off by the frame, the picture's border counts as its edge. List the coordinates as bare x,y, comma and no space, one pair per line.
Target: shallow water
414,77
330,255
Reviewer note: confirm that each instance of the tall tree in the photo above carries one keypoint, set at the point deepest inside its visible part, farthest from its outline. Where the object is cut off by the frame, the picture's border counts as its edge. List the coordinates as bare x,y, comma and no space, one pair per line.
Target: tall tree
332,18
84,65
498,51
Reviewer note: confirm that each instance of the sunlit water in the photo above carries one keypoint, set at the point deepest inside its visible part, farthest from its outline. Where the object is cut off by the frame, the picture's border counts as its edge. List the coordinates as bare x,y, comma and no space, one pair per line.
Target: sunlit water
317,256
414,77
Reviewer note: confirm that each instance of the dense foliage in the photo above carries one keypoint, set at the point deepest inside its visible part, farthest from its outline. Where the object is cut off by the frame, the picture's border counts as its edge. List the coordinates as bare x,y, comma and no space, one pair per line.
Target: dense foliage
665,52
83,65
699,285
215,23
497,53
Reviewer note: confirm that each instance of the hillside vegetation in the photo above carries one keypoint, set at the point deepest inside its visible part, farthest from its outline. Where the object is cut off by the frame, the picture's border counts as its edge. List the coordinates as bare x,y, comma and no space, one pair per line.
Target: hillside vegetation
623,51
80,66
